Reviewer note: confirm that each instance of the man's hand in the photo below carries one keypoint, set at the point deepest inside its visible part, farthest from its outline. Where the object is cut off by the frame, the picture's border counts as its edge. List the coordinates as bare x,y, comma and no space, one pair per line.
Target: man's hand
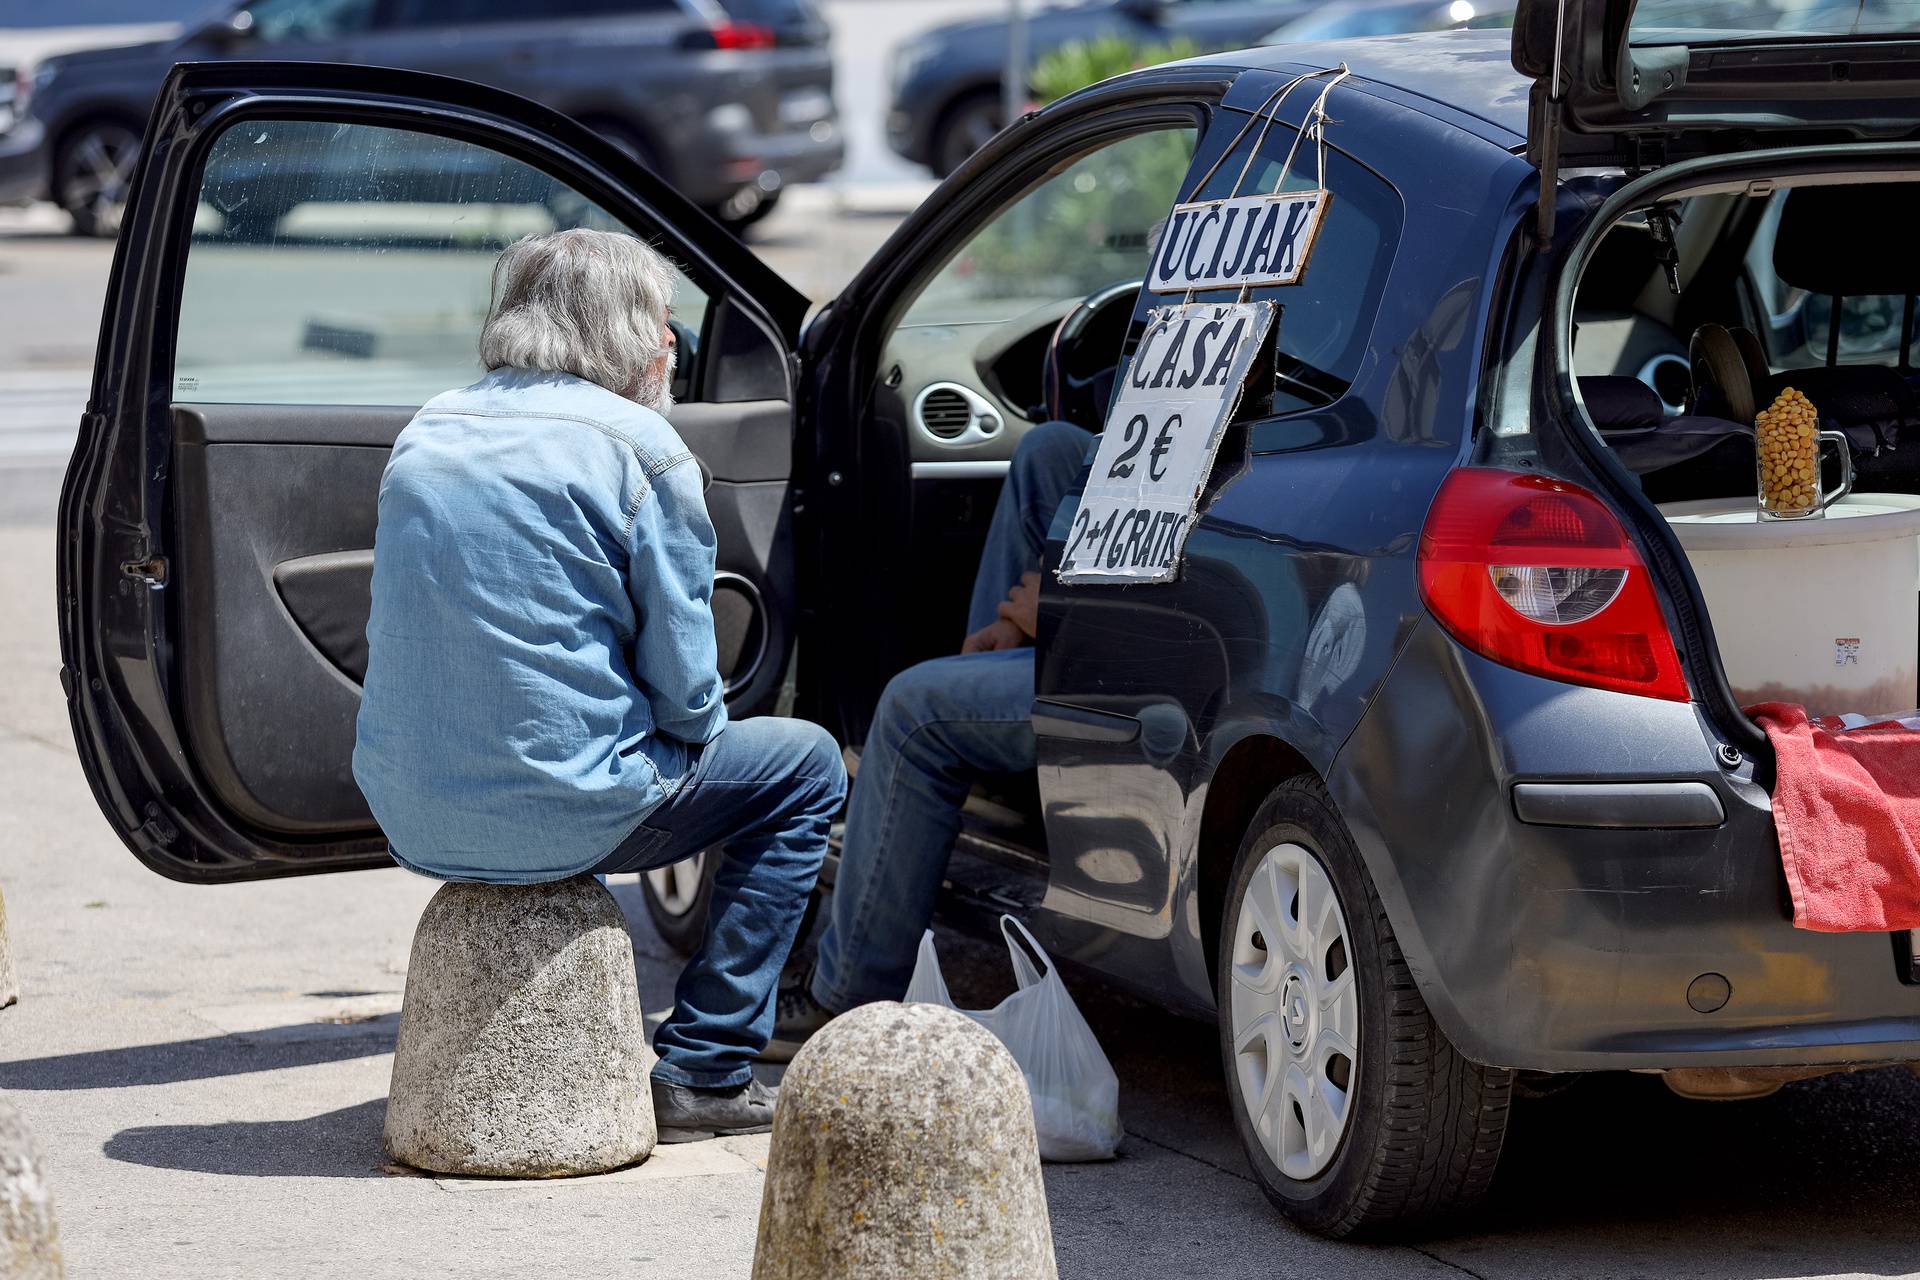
998,634
1022,606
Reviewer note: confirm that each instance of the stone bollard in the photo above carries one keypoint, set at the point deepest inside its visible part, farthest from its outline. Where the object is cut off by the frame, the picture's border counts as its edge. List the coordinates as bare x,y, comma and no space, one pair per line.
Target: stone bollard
903,1146
29,1237
9,983
521,1051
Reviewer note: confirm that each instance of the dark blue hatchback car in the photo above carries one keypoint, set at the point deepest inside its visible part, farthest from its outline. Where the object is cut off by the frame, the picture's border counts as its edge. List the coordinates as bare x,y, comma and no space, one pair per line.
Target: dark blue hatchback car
1425,776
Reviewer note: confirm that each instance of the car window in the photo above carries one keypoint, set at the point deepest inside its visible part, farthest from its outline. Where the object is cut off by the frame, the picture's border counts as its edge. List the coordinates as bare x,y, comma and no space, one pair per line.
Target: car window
1794,324
278,20
351,264
1326,318
1085,226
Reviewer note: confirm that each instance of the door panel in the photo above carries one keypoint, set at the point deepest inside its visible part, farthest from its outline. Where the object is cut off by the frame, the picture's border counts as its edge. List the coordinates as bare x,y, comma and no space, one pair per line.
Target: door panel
307,259
275,513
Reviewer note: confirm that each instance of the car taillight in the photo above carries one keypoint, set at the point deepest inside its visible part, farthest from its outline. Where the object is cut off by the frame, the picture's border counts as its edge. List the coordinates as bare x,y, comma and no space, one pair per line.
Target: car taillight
732,35
1537,574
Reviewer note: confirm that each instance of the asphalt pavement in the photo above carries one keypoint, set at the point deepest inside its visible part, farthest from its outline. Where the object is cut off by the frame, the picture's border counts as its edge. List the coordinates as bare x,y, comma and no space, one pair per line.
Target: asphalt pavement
207,1067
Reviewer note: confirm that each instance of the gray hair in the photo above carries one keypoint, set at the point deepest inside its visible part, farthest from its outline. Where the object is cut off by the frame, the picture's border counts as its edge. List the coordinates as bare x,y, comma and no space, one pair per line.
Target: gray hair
589,303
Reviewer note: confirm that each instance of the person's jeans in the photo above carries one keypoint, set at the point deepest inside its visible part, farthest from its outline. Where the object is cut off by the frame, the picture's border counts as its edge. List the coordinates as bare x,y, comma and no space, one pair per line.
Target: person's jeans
760,796
1043,471
940,725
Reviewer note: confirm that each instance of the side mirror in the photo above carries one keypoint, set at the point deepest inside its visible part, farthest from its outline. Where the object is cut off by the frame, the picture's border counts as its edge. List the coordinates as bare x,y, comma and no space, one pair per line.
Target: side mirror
223,33
686,360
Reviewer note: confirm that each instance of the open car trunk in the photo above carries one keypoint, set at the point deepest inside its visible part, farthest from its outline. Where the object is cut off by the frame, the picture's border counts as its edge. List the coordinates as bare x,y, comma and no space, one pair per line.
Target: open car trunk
1787,299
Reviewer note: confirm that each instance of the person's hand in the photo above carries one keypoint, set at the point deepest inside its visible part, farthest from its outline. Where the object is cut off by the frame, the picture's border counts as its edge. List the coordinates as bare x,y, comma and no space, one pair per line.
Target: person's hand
998,634
1022,606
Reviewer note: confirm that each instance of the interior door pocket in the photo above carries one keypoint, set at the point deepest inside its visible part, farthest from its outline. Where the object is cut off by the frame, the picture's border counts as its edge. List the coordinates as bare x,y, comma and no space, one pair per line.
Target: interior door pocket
330,597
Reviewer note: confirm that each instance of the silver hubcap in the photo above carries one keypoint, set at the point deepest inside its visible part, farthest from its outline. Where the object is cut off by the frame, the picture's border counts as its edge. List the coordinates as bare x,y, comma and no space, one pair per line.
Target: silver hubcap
1295,1011
98,170
677,884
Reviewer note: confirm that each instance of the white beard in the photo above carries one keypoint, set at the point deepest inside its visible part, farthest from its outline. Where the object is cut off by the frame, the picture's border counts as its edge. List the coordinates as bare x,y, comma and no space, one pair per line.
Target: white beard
657,393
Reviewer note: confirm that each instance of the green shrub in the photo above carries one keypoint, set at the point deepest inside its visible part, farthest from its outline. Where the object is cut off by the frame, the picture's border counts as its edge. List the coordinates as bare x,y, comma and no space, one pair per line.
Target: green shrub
1079,63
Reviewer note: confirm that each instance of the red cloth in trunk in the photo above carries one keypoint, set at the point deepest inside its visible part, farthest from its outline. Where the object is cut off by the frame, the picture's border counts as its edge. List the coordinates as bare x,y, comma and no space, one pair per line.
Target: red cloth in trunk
1847,807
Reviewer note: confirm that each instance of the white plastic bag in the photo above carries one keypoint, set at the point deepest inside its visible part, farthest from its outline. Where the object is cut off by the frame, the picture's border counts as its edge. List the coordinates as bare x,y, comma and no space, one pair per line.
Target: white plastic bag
1076,1096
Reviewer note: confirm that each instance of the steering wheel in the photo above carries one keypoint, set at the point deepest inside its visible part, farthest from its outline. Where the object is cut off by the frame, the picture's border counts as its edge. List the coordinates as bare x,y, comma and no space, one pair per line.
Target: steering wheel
1083,353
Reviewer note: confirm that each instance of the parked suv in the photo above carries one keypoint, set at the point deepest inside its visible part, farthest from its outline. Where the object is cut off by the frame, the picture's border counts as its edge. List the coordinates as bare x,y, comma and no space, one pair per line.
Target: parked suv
1423,778
946,82
730,100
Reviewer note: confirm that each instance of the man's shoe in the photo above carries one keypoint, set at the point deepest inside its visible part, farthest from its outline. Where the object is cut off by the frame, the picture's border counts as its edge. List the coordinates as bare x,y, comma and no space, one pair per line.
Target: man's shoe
797,1015
682,1113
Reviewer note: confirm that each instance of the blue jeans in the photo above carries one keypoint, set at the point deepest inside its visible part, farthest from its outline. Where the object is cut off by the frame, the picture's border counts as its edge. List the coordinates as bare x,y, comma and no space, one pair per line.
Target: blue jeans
761,796
940,725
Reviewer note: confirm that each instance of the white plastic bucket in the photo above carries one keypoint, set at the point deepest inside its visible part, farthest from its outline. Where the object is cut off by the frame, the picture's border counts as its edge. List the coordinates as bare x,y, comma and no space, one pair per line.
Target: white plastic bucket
1822,612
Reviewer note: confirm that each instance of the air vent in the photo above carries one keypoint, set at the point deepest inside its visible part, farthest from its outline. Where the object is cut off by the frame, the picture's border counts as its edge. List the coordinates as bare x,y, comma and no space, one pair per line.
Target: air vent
951,414
945,413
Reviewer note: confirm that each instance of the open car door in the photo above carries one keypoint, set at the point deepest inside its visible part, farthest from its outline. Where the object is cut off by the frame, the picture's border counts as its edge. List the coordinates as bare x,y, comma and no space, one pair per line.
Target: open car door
305,260
1646,82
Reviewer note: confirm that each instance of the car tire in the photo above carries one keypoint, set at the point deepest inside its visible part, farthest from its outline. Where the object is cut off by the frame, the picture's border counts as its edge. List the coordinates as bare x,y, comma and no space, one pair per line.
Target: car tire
1414,1135
629,141
744,208
677,898
91,173
964,127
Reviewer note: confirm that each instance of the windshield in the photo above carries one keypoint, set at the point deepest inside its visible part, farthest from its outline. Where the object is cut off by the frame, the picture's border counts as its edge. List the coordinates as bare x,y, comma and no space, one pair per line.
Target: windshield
1686,21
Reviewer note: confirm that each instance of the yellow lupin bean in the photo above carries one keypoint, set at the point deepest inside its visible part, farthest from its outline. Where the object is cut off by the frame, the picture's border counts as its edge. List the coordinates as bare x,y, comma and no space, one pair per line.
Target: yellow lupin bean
1786,435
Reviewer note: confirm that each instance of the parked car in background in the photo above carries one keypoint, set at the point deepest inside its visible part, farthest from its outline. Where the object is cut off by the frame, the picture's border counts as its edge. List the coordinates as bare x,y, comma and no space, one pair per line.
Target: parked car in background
730,100
1393,17
947,82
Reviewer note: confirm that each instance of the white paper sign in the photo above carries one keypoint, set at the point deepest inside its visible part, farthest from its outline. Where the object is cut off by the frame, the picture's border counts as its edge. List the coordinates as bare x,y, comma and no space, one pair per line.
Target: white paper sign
1248,240
1161,436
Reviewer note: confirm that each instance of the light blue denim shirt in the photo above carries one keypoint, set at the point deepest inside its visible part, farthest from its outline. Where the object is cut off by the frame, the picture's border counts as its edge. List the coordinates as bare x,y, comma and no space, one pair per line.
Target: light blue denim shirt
540,655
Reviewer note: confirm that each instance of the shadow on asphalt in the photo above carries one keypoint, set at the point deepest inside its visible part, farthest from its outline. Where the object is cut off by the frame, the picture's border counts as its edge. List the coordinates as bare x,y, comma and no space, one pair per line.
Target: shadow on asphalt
205,1059
338,1144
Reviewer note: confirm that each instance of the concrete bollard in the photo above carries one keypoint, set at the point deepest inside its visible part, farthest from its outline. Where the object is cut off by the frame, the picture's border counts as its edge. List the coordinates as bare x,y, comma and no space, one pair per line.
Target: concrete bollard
29,1237
9,983
521,1052
903,1146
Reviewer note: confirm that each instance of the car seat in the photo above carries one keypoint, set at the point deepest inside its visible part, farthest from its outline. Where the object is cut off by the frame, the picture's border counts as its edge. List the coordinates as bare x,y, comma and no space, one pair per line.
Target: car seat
1845,241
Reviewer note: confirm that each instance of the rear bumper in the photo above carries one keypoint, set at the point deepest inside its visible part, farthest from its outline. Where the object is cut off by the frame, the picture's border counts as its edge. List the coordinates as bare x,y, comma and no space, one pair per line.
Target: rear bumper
23,162
1569,948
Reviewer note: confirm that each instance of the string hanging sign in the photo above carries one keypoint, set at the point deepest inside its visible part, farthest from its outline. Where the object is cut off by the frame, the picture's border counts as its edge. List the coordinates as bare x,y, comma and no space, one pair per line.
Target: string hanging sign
1187,374
1244,241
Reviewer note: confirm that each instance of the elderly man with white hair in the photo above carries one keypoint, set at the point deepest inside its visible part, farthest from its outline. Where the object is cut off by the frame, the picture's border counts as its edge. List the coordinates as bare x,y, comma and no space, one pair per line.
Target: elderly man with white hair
541,697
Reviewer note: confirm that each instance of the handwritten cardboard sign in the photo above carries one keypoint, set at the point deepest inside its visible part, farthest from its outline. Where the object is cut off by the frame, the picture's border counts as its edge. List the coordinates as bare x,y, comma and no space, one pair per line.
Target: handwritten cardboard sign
1244,241
1161,437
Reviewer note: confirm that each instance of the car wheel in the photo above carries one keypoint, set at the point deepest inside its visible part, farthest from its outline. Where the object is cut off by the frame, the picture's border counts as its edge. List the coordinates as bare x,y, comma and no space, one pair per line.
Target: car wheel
964,128
91,174
1355,1110
744,208
676,896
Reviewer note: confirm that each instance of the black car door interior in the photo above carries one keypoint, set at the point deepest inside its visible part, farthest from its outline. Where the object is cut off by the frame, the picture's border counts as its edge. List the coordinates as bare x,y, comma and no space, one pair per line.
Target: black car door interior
275,511
307,259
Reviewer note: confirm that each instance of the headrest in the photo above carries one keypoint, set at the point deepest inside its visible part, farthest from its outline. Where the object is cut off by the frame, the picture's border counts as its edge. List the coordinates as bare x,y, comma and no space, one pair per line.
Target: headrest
1850,240
1620,404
